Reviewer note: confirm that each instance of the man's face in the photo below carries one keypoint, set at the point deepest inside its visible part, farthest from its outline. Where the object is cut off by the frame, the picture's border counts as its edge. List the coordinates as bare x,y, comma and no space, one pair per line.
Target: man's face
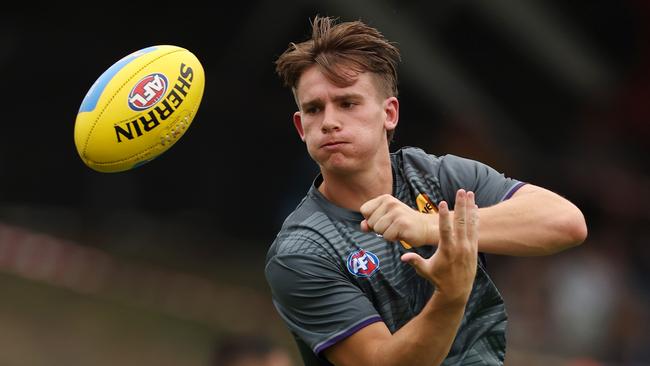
344,128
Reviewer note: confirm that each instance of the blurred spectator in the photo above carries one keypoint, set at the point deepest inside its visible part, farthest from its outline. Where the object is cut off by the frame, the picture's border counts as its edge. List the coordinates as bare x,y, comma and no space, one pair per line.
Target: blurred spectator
248,351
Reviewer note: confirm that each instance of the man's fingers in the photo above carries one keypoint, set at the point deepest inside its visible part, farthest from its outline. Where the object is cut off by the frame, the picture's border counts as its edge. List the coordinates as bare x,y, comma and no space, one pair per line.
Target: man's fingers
473,223
414,260
444,225
460,215
392,232
370,206
364,226
373,210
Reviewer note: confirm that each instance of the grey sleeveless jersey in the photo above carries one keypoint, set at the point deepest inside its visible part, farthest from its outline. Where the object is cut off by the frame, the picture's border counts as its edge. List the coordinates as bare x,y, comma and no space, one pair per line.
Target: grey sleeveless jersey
329,279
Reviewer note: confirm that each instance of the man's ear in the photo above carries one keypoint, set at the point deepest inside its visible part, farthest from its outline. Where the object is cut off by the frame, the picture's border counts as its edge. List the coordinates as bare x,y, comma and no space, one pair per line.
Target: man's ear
297,122
391,108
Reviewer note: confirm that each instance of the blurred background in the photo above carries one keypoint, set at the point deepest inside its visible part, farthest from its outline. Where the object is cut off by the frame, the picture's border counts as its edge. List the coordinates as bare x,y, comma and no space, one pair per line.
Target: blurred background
163,265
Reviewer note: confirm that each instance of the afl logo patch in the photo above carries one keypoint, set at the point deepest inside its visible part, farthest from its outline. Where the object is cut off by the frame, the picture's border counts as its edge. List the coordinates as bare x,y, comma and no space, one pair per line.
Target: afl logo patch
147,91
362,263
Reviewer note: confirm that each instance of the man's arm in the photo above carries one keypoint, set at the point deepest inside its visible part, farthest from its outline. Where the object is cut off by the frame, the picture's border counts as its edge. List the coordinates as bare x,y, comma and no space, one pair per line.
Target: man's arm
534,221
427,338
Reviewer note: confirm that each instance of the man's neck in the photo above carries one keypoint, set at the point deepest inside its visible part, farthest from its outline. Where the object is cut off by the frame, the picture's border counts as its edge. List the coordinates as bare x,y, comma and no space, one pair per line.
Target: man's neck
353,190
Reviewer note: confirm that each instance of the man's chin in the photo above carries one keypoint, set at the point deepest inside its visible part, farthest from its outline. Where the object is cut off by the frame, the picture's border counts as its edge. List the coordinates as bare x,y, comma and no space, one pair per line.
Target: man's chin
338,164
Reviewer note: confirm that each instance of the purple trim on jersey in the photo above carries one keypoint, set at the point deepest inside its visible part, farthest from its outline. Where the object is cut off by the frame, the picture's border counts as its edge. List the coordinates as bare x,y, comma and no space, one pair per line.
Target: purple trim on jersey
512,190
346,333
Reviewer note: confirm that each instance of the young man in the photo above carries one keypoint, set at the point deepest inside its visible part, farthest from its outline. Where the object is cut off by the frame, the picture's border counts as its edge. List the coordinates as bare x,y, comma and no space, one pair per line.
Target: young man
373,267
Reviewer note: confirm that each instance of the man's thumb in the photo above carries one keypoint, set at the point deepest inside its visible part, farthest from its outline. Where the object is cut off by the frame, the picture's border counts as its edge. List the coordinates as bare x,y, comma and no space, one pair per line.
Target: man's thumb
413,259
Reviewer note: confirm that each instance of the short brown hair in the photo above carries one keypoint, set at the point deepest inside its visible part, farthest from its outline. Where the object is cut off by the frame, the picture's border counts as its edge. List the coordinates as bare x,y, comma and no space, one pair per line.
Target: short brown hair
354,45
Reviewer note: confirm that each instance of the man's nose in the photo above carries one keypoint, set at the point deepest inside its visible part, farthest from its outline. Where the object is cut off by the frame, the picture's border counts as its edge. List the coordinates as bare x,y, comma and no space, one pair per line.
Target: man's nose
331,121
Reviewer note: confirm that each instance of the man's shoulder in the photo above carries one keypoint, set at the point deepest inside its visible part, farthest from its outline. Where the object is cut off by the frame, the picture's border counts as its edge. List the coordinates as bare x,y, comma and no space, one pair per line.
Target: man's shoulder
412,154
412,160
419,159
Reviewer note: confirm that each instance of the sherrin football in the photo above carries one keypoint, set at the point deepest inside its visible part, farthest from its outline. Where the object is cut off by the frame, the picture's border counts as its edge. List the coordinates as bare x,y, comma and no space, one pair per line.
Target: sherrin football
138,108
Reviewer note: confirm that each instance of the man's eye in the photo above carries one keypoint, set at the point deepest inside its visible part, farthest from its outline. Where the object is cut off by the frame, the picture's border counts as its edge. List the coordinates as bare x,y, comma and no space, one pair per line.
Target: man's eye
347,105
312,110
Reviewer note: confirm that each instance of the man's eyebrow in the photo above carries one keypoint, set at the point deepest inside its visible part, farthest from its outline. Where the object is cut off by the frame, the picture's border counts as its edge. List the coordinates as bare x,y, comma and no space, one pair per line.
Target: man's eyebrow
337,98
347,96
311,103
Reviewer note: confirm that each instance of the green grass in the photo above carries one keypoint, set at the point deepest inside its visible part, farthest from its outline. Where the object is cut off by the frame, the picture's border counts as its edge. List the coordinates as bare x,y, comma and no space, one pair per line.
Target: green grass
43,325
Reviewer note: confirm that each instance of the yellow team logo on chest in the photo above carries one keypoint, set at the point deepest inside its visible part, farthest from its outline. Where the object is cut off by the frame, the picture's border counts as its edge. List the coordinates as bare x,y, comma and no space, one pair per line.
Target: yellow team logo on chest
425,206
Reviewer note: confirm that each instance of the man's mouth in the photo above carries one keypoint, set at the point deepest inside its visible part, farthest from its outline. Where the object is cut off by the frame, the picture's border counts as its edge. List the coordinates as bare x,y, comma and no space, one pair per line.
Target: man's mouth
332,143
